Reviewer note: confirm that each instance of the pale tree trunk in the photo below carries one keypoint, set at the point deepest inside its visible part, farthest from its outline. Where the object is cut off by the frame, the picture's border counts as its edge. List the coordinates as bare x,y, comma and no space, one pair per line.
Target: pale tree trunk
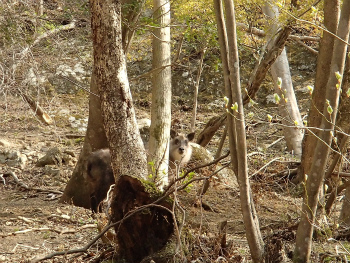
331,17
321,151
161,93
236,124
280,69
143,233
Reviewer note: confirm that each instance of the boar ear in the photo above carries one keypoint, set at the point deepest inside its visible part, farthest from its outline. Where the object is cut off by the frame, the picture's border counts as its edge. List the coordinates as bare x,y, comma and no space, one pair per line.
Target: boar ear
173,134
190,136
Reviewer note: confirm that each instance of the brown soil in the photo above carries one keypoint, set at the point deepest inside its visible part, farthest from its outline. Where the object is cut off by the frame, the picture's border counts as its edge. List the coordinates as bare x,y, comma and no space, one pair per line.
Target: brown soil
33,223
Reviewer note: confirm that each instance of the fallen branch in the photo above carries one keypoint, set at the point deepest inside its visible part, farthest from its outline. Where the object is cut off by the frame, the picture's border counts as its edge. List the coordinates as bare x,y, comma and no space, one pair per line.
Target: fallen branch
26,187
94,240
39,229
39,112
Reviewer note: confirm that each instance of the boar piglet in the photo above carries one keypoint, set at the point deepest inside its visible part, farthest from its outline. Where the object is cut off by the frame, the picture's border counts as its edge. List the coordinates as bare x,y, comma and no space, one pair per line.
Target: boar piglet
99,177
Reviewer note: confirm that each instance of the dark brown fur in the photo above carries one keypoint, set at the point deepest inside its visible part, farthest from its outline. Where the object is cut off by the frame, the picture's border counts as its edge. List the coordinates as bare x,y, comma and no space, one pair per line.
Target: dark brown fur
99,176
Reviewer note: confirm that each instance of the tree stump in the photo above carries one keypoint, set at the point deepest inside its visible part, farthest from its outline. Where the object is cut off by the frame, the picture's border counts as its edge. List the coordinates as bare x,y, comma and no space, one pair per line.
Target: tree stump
145,232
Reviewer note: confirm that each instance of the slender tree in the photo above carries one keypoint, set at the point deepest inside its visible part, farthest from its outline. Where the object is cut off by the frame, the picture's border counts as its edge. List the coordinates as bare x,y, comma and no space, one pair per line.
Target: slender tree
161,93
331,17
236,124
315,177
288,106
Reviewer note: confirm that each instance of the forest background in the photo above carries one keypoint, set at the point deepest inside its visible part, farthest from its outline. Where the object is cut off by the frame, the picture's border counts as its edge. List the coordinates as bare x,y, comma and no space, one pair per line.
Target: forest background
46,58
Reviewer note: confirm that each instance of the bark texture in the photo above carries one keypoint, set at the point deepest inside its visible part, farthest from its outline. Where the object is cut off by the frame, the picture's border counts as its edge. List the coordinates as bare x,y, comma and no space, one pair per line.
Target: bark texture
321,151
146,231
161,93
127,150
141,231
77,190
288,109
331,16
236,125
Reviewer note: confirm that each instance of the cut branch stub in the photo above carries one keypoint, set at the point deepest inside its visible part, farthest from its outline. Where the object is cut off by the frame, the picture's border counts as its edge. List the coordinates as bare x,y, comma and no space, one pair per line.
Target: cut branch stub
146,231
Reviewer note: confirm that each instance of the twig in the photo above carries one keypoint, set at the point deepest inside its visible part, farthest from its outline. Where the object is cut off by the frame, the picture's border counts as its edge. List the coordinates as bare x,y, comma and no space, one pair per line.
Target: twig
272,144
94,240
26,187
313,51
262,168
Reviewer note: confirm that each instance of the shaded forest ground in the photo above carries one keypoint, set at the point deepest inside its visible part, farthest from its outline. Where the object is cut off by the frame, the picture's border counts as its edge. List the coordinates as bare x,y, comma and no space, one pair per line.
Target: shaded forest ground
32,223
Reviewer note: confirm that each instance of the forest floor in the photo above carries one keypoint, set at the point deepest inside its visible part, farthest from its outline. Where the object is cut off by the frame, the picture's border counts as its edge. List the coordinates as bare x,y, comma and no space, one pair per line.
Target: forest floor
34,224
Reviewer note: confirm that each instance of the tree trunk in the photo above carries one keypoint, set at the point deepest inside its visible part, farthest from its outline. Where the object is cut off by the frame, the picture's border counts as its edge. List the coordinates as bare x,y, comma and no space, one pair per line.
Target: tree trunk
288,108
236,127
345,211
196,88
331,16
140,231
127,150
131,11
321,151
77,191
161,94
344,123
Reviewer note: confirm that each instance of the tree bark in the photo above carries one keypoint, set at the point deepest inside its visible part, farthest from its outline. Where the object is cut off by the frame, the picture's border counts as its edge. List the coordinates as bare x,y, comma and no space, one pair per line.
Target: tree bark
140,231
77,191
161,94
288,109
331,17
321,151
236,128
127,150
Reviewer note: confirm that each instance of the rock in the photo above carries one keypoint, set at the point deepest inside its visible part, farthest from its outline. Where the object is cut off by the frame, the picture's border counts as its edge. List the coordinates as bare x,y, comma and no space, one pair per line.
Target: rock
201,155
5,143
13,158
55,156
79,124
144,125
52,170
52,157
77,73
